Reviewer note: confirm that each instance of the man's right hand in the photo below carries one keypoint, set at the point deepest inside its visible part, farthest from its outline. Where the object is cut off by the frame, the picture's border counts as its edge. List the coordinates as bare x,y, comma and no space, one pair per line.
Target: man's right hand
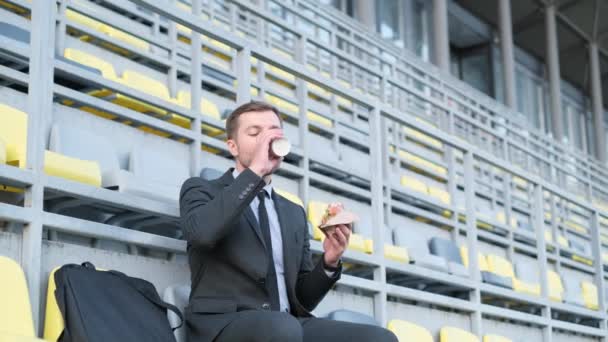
264,161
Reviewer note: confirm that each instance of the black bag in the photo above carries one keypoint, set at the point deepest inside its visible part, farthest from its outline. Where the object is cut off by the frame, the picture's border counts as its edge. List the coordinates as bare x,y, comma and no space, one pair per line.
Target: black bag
103,306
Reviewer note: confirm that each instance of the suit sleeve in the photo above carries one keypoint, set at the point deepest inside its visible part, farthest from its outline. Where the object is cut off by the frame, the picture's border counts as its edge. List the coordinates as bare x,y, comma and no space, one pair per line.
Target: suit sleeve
313,283
207,214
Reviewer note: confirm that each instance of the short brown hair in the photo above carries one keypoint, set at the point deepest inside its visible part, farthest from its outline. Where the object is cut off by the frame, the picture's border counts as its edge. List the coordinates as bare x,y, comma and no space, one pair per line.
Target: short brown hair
252,106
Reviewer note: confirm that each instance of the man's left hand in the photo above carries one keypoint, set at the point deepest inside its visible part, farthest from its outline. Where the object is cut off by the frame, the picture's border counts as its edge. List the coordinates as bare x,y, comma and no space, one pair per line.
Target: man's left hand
336,242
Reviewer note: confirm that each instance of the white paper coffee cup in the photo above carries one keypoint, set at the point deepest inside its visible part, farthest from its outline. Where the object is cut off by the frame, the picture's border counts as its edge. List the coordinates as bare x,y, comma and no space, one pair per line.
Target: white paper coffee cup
281,147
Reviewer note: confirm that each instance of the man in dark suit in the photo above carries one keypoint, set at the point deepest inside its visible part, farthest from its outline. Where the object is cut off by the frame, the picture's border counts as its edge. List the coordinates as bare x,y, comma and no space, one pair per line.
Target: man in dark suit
253,278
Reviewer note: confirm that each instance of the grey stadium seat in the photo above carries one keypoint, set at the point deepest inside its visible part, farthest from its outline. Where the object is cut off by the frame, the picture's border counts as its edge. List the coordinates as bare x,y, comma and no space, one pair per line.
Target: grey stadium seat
449,251
177,295
572,291
417,247
209,173
352,317
526,272
14,32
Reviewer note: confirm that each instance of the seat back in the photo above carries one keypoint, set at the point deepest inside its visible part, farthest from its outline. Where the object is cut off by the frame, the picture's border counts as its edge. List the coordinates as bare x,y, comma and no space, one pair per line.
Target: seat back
572,290
78,143
154,164
555,286
590,296
316,210
2,152
15,311
13,131
53,321
500,266
526,271
445,248
177,295
209,173
146,84
291,197
14,32
352,317
452,334
407,331
106,68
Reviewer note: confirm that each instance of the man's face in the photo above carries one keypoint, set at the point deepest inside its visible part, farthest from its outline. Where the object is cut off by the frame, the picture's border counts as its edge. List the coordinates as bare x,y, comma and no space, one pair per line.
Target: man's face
250,125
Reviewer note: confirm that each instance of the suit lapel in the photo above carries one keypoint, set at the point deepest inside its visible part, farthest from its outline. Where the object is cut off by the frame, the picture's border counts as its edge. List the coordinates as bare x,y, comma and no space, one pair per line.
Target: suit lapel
227,179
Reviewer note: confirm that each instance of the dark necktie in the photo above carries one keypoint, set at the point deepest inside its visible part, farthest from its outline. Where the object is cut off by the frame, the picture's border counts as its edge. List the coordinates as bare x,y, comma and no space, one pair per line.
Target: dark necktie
271,278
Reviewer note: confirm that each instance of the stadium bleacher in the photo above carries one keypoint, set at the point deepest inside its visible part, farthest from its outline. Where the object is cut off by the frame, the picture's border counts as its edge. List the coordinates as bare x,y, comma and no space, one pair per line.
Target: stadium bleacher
119,137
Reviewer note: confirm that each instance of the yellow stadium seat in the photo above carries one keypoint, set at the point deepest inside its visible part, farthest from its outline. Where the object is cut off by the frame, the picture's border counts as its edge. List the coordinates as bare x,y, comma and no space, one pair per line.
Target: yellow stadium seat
207,107
83,20
125,37
396,253
406,331
576,226
414,184
440,194
495,338
15,311
53,321
2,152
501,218
106,68
504,268
315,213
146,84
83,171
481,259
357,243
319,119
555,286
452,334
416,160
548,236
292,197
590,296
13,131
423,138
562,241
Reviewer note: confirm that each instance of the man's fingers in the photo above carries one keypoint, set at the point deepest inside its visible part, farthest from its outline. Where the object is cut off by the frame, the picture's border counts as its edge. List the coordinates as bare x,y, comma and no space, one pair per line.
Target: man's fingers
342,240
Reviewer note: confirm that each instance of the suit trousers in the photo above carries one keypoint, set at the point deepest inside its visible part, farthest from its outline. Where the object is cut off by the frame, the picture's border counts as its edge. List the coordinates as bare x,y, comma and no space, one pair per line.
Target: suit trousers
273,326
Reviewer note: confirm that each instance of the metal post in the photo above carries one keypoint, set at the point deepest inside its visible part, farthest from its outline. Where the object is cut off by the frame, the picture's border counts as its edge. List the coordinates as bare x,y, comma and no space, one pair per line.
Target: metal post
506,45
441,35
195,93
597,102
469,184
243,75
378,210
40,108
554,73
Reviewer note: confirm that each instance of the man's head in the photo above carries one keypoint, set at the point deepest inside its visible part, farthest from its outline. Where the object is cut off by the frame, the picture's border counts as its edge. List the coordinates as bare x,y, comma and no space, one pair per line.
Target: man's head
244,125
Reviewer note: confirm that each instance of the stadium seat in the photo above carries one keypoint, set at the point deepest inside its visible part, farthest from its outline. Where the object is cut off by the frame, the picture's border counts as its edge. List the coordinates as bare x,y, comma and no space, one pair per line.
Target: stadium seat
414,184
290,196
407,331
177,295
452,334
53,320
590,296
419,161
352,317
418,250
152,174
573,292
487,276
526,279
427,140
14,32
555,286
76,142
2,152
495,338
209,173
108,30
503,268
396,253
207,108
92,61
15,311
449,251
13,131
440,194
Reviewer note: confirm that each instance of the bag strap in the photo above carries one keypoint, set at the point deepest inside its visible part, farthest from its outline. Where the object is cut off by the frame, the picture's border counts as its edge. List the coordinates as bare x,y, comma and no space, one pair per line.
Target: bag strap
154,298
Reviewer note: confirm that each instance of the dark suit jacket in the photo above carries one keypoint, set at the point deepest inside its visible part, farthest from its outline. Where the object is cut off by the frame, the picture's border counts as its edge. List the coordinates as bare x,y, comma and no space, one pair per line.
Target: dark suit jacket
227,255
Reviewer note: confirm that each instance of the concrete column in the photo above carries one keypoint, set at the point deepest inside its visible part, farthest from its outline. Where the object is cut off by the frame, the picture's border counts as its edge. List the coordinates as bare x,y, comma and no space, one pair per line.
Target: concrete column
597,102
441,37
552,61
506,45
365,11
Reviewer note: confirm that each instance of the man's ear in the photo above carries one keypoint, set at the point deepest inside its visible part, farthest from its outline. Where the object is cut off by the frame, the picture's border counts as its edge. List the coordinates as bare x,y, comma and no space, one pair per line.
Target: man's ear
232,147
